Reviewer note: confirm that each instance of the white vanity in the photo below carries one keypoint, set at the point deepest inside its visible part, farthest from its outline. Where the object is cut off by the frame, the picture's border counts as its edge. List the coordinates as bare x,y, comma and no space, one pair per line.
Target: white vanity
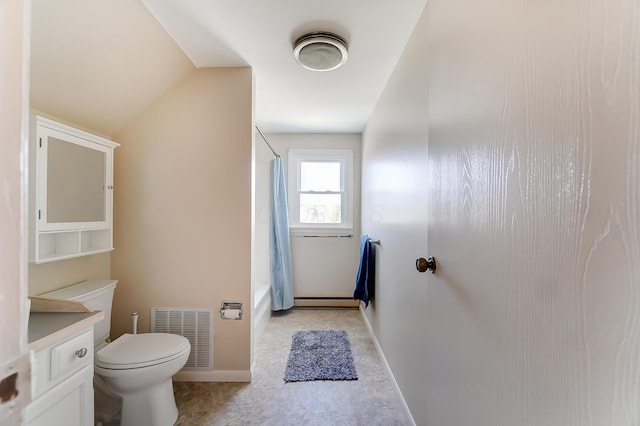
61,346
71,192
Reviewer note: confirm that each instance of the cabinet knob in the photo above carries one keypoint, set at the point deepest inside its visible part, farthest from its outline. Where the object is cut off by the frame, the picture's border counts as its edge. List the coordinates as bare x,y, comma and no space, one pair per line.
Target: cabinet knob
81,353
424,265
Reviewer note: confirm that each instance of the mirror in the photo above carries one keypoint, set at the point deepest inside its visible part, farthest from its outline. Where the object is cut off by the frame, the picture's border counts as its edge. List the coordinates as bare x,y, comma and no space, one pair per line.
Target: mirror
71,179
75,183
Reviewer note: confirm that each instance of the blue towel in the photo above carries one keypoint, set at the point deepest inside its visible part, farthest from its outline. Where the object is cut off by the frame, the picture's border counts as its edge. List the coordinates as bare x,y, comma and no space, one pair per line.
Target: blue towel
365,280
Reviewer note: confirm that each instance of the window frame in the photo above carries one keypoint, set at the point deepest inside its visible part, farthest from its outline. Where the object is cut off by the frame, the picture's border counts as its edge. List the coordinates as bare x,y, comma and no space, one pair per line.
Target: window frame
342,156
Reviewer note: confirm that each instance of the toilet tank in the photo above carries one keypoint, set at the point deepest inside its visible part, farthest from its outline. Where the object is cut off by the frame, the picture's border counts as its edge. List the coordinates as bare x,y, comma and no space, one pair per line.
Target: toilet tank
98,295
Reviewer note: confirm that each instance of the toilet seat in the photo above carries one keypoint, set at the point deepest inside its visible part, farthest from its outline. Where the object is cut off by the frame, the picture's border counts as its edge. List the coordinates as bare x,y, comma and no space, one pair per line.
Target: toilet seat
131,351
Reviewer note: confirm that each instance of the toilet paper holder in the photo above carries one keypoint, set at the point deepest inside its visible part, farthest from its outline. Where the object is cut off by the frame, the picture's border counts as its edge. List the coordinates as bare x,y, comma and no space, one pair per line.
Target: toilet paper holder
231,310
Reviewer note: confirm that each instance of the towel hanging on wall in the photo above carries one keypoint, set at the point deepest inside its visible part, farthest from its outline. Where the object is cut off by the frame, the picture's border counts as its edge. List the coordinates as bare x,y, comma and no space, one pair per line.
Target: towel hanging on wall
365,279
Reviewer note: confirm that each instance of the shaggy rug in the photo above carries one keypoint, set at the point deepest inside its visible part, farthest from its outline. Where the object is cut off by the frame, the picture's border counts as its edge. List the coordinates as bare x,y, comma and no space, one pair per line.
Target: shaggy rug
320,355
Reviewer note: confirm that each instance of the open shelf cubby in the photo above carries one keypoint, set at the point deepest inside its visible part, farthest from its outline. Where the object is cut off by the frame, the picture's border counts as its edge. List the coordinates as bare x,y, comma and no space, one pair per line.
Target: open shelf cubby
96,240
67,244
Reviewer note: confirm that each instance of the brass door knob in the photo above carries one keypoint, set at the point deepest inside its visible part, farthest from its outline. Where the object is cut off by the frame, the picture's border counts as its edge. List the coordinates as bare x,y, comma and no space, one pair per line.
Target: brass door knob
424,265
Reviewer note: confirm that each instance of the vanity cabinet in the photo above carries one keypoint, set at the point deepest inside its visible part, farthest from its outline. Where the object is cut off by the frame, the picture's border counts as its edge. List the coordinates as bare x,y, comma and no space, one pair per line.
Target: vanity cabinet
71,192
62,383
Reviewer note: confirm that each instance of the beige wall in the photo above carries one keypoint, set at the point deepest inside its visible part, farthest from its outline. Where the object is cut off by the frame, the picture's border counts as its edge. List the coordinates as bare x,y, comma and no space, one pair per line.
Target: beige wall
183,208
125,62
102,95
100,64
529,199
46,277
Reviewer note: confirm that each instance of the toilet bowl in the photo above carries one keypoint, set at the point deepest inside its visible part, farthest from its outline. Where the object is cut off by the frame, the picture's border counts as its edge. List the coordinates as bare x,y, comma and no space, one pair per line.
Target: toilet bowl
138,369
134,368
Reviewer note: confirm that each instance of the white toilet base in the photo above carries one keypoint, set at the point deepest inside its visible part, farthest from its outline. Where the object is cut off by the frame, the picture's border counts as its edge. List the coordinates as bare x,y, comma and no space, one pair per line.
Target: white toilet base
155,406
107,405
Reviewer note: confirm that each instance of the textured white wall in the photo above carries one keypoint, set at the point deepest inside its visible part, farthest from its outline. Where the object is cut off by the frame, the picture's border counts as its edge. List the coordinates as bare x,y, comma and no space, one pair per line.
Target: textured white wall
394,210
533,194
262,170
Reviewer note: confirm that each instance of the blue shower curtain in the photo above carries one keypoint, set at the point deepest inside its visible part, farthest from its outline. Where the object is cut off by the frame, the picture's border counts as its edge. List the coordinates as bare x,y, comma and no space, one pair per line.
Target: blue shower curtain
279,245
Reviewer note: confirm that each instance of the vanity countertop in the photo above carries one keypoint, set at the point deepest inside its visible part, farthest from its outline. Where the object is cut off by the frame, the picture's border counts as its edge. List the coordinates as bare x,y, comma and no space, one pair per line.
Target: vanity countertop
47,328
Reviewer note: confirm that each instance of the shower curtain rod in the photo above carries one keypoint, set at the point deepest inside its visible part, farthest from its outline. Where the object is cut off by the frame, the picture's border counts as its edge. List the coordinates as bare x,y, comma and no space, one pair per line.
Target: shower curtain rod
266,141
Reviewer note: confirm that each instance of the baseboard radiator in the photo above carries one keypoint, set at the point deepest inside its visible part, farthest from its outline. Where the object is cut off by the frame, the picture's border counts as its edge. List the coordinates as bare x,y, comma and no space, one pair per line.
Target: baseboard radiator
194,324
325,302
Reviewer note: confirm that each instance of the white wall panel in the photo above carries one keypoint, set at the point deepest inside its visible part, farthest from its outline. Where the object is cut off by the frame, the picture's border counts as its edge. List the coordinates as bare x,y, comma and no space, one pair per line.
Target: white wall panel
324,267
533,193
395,210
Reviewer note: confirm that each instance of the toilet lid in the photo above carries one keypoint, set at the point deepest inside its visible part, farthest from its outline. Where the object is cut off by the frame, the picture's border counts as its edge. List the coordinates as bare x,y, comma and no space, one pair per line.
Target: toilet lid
141,350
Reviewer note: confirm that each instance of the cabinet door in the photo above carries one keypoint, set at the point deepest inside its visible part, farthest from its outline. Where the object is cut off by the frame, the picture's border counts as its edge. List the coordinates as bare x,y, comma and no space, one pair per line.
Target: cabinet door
70,403
74,180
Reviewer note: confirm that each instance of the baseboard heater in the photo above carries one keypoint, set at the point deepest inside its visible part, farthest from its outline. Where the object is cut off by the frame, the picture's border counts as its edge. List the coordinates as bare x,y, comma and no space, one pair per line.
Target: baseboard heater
325,302
194,324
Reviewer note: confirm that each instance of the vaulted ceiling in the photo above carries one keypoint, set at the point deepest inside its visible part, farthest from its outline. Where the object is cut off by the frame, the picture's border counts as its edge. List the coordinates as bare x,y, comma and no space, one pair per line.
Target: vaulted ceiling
99,64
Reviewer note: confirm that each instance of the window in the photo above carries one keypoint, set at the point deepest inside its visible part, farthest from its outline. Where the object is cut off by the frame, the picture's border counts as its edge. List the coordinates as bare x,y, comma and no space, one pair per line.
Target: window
320,190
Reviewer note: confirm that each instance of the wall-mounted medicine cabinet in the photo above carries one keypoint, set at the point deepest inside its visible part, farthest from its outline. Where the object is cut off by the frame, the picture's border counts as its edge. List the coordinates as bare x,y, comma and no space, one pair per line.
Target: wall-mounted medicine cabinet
70,192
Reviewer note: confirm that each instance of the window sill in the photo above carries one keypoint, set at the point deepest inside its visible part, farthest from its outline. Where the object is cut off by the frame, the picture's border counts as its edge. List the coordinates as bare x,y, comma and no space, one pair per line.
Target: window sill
343,232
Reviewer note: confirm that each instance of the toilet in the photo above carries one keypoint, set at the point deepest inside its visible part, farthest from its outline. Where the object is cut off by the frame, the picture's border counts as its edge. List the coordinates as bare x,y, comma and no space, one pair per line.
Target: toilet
137,368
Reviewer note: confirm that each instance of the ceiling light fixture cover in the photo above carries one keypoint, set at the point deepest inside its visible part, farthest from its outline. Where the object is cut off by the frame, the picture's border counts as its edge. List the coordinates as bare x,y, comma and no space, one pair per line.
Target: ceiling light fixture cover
320,51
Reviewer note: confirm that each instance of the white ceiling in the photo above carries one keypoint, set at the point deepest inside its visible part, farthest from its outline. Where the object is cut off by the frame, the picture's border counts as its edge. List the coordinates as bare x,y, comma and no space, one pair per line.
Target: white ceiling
260,34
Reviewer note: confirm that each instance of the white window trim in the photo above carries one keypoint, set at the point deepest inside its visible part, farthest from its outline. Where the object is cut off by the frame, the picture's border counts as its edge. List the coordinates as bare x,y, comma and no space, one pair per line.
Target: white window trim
297,156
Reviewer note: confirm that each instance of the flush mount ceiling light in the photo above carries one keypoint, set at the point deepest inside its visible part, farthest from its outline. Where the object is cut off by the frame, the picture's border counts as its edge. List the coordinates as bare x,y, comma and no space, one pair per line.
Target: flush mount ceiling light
320,51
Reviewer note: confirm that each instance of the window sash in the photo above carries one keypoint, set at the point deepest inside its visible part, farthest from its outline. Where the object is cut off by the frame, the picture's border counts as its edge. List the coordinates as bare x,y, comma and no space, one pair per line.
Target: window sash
312,186
296,159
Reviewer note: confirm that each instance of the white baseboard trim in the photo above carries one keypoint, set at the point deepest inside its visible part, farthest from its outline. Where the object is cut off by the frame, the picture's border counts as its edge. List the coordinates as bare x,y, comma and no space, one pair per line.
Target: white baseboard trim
405,407
242,376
